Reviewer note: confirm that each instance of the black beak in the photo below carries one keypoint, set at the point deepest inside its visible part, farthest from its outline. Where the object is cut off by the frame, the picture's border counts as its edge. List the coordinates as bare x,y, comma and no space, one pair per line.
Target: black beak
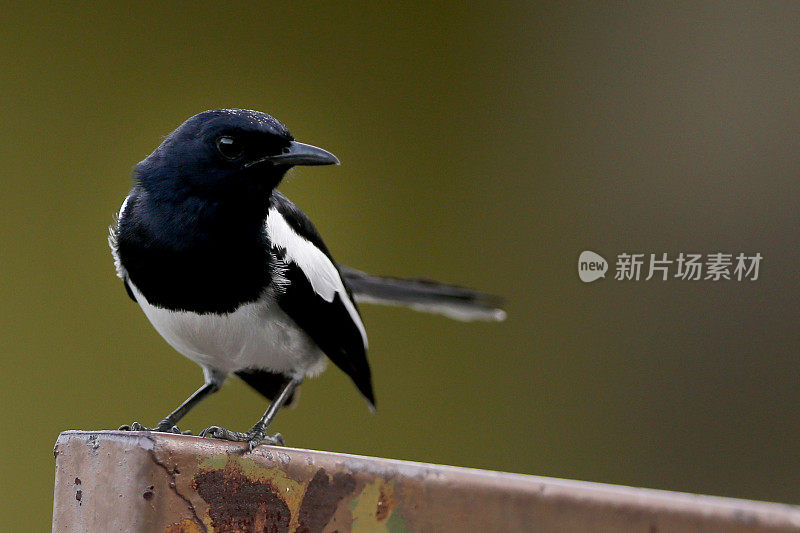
299,154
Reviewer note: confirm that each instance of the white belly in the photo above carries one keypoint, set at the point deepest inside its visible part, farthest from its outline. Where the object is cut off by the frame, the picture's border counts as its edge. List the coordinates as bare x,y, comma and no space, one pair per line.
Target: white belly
257,335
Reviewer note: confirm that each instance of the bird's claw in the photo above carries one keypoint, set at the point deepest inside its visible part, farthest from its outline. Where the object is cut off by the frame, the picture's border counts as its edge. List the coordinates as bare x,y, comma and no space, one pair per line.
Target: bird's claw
254,437
163,427
216,432
259,437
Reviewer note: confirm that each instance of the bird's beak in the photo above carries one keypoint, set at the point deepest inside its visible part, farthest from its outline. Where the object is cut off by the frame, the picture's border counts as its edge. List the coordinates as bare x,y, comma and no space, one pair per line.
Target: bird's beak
300,154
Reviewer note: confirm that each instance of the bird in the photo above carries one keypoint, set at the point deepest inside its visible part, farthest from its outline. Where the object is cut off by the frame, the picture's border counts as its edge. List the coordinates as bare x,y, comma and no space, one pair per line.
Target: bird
235,277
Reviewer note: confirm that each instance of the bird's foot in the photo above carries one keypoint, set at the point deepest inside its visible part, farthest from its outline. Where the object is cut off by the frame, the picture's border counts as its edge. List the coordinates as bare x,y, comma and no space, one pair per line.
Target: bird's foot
163,427
254,437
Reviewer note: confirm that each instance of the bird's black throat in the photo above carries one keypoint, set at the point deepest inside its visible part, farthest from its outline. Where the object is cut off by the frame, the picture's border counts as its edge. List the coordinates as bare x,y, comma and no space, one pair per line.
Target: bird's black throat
196,255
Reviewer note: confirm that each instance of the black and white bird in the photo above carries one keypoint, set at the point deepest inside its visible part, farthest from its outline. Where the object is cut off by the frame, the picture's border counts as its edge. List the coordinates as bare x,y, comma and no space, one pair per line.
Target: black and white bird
236,278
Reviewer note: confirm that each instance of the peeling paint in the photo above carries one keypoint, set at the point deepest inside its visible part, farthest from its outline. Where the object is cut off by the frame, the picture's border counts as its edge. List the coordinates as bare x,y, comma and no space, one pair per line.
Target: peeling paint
239,503
171,473
321,499
373,506
224,479
231,483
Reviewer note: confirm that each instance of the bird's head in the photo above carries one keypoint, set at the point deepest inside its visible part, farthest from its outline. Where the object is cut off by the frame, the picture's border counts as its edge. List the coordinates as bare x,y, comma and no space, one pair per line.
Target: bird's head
226,152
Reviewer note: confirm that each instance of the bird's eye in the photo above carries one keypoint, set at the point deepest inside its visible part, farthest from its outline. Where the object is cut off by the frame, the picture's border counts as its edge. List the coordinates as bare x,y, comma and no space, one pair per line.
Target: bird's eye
229,147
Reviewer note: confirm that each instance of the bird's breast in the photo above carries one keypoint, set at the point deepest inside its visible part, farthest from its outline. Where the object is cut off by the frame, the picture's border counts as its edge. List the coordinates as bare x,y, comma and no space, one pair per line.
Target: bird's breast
255,335
193,255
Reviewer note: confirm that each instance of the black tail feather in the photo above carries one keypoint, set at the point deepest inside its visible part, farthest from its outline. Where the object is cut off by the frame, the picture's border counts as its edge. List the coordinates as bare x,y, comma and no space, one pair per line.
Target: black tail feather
268,384
425,295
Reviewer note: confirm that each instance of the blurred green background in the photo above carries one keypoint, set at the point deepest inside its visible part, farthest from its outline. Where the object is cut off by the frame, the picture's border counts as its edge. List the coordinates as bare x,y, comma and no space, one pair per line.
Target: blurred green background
483,145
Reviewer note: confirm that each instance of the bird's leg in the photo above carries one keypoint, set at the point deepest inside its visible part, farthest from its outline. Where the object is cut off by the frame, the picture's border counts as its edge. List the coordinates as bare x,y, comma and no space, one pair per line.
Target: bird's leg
258,433
212,385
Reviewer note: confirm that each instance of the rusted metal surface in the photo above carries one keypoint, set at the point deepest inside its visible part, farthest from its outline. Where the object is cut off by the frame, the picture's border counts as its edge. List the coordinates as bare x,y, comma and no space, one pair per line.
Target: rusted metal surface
121,481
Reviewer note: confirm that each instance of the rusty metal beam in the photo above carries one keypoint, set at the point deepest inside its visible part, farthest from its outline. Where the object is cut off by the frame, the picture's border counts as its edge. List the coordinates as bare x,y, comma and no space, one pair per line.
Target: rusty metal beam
120,481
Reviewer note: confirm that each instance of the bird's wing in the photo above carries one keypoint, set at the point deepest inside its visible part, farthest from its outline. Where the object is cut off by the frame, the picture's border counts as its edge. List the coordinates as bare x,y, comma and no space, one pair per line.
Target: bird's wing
313,293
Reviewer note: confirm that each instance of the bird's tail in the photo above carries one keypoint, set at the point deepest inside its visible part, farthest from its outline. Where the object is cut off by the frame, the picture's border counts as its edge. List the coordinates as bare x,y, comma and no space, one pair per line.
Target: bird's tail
424,295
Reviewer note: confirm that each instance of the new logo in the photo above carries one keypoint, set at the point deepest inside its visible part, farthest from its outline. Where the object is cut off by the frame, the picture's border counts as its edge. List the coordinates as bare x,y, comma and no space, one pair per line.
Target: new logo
591,266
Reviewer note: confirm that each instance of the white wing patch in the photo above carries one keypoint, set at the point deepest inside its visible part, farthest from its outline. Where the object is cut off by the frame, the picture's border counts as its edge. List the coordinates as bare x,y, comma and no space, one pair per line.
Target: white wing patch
320,271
